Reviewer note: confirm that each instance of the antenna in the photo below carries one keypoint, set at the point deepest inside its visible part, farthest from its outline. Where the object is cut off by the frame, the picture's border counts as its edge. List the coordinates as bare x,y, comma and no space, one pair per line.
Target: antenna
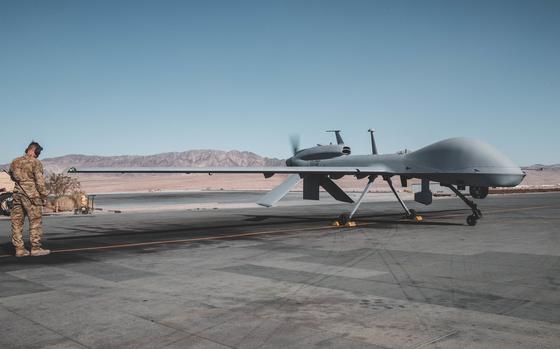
373,146
338,137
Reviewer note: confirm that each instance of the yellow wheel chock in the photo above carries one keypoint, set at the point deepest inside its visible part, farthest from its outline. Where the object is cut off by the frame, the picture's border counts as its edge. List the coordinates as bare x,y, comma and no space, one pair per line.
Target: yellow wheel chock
335,223
348,224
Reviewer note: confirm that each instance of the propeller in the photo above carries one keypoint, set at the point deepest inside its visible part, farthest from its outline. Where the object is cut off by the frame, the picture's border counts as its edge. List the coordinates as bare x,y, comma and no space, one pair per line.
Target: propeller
294,142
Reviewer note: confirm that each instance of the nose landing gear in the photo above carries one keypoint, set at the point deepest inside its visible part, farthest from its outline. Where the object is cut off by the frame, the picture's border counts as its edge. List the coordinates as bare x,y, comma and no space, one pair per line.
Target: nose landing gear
476,213
471,220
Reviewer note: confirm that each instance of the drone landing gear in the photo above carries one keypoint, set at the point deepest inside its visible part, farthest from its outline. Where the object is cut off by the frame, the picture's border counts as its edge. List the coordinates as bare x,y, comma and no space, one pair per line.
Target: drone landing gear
476,213
410,214
345,219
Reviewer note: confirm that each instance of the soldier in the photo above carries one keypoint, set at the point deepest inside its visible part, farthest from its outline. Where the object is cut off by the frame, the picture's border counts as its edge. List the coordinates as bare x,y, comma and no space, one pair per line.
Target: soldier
30,195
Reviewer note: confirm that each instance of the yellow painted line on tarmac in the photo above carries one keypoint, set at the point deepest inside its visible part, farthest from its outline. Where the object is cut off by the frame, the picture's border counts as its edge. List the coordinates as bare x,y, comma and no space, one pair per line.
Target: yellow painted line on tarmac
270,232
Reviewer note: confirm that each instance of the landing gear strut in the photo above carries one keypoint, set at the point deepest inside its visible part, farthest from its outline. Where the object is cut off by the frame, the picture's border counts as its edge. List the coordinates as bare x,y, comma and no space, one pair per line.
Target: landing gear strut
410,214
345,219
476,213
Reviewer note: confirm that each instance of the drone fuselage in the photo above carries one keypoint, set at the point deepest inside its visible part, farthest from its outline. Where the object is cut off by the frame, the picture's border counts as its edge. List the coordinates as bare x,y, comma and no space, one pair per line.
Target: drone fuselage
456,161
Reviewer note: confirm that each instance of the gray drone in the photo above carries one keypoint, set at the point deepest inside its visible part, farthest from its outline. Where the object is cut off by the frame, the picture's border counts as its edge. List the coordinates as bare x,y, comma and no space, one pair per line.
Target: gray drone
454,163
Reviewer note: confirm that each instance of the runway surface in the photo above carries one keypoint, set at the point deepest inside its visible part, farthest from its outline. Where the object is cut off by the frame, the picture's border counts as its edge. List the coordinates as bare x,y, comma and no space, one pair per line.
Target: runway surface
284,278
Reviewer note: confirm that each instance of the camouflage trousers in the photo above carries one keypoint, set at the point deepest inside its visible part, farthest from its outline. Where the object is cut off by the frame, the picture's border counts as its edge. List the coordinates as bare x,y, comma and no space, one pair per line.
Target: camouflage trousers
23,207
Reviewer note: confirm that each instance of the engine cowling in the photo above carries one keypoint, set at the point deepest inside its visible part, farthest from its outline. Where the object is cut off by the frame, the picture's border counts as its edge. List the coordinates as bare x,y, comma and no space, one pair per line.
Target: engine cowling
322,152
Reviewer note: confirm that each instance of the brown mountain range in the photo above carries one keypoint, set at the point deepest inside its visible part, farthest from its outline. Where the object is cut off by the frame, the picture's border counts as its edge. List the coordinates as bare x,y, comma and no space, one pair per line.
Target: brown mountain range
190,158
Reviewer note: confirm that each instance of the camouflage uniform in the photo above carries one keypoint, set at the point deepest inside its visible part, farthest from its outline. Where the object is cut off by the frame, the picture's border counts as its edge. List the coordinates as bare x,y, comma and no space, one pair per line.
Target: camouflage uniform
30,194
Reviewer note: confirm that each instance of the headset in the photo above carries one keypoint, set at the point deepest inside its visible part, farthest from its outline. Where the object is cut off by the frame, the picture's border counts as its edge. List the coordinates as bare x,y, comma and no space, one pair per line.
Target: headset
36,148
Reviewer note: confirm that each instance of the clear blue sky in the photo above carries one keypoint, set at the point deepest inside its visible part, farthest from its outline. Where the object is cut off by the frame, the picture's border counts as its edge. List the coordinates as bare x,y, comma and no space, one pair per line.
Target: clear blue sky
143,77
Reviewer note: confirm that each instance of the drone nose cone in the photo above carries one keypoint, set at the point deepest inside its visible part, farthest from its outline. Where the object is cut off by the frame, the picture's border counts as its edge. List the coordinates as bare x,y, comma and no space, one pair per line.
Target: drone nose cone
465,155
289,162
465,152
507,180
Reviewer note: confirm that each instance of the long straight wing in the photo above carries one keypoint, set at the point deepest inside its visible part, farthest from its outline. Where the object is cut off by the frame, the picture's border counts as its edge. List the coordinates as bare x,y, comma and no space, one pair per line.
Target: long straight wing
264,170
313,177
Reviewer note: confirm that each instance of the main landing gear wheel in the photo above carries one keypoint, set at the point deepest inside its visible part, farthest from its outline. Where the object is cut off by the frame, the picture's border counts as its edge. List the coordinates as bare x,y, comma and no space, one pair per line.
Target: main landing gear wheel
471,220
414,216
343,220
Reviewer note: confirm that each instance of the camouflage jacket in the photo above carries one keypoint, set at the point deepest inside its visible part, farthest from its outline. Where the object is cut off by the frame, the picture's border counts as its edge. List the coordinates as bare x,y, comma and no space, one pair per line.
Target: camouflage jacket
27,173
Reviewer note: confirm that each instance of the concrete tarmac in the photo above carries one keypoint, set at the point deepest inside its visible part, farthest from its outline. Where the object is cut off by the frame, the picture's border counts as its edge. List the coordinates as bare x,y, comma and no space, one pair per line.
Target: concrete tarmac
284,278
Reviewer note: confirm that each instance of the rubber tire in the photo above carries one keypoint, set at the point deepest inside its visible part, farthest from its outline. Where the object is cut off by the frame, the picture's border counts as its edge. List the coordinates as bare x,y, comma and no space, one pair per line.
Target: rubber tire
3,198
343,218
471,220
413,214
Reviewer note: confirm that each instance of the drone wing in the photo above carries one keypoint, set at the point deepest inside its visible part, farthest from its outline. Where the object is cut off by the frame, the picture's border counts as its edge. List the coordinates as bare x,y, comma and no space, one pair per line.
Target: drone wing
313,177
266,171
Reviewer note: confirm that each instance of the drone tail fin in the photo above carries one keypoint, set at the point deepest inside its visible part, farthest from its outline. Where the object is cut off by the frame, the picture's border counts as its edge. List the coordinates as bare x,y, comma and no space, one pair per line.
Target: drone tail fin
273,196
339,139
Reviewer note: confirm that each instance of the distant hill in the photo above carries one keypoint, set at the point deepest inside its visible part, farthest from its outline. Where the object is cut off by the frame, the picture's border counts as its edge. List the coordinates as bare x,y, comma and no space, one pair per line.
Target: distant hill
190,158
540,167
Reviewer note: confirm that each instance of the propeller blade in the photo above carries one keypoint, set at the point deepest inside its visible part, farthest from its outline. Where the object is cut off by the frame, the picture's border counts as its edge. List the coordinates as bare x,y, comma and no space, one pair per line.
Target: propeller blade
294,142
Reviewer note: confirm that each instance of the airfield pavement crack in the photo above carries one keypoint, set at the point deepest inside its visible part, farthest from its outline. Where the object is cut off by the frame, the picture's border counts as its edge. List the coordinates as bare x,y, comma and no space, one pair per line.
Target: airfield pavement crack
390,237
437,339
45,327
180,330
309,282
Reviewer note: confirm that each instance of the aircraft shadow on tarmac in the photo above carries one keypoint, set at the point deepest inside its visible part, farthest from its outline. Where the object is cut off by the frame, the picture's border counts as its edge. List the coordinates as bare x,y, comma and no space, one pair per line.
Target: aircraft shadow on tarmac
194,229
389,218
